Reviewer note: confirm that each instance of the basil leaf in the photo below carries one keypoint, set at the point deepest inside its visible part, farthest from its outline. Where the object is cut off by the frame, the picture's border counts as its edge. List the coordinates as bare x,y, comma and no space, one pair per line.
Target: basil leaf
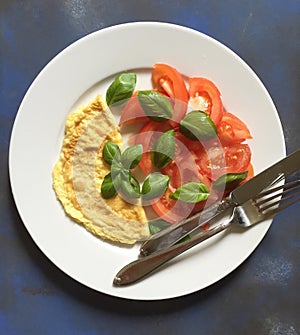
156,106
184,239
117,170
135,184
229,181
131,157
128,186
163,149
155,186
191,192
107,187
110,151
198,126
121,88
156,226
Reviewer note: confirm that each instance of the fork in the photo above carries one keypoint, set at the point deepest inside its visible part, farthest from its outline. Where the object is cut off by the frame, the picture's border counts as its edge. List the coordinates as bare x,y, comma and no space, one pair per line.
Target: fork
262,207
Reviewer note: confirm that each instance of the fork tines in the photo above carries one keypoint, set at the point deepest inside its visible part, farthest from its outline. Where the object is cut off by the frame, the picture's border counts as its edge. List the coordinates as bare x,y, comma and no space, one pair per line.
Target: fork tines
278,198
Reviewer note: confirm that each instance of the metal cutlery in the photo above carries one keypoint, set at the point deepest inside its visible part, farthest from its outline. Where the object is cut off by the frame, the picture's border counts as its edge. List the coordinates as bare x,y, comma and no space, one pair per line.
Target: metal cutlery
240,195
259,208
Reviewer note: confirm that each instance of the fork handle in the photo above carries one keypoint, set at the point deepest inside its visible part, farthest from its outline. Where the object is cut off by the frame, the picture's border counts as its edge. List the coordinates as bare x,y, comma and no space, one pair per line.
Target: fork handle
143,266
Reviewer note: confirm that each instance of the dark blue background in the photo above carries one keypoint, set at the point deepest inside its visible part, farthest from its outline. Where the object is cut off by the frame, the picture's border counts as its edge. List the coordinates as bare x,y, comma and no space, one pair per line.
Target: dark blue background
263,295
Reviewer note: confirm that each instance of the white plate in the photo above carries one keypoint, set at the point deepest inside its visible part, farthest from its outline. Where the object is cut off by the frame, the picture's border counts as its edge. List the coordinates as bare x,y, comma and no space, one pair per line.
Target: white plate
76,75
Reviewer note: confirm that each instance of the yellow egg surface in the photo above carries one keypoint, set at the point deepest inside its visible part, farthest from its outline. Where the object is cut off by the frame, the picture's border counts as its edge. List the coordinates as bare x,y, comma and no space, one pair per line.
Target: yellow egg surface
80,170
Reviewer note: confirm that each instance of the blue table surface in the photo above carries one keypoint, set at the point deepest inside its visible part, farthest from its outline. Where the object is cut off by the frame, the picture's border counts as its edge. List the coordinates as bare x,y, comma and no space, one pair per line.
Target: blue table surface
262,296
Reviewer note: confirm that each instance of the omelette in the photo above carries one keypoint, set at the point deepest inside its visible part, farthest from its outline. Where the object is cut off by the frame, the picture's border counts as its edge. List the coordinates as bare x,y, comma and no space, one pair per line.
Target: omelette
80,170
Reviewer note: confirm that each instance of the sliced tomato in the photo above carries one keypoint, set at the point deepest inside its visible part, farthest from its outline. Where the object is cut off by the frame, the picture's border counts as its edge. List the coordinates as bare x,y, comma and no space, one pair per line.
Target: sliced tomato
232,130
238,157
181,171
132,112
172,171
250,174
146,136
168,79
175,210
183,168
172,210
217,161
189,144
205,96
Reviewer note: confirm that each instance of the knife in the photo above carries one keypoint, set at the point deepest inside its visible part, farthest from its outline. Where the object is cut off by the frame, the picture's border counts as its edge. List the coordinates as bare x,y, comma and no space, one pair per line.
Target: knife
141,267
241,194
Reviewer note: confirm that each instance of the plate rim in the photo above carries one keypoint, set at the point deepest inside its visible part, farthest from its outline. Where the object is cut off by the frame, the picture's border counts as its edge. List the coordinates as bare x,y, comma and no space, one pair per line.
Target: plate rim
69,49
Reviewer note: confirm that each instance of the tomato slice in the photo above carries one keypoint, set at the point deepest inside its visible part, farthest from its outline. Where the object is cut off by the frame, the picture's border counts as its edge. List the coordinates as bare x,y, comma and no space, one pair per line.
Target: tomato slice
181,170
171,81
172,171
132,112
216,161
238,157
146,136
204,95
250,174
232,130
171,210
189,144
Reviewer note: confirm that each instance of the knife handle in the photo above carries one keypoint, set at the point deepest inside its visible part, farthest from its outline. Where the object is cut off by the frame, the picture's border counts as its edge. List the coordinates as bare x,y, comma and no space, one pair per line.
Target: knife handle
140,268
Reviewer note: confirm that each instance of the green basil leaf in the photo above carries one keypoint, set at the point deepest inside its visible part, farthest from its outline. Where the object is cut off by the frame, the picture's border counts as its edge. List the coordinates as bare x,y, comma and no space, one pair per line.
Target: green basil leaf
131,157
229,181
121,88
163,149
190,192
128,185
110,151
135,184
117,170
184,239
155,186
155,105
155,226
198,126
107,187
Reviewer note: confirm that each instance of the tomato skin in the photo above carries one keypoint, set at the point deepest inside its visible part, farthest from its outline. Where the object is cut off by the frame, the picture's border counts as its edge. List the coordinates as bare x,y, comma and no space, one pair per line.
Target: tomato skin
189,144
181,170
193,161
146,136
216,161
232,130
176,86
171,210
250,174
238,157
172,171
205,95
168,79
132,112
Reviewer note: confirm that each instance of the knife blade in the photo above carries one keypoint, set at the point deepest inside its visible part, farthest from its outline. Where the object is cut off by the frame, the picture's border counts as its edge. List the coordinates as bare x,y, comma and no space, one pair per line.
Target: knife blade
238,196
